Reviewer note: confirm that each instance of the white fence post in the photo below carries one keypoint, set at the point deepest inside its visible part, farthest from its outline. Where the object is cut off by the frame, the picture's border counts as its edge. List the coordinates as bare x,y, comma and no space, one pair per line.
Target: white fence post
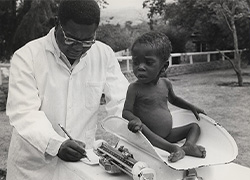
223,56
208,57
170,60
191,59
128,69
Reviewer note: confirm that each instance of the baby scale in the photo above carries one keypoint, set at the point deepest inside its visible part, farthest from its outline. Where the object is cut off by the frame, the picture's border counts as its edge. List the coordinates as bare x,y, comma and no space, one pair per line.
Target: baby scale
137,157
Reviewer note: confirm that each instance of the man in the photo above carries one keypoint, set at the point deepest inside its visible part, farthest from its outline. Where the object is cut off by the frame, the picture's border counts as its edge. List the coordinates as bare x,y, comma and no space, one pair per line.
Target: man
59,79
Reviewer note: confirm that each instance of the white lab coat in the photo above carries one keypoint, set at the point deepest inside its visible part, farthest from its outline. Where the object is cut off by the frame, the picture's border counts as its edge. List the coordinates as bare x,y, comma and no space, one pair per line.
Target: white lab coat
43,92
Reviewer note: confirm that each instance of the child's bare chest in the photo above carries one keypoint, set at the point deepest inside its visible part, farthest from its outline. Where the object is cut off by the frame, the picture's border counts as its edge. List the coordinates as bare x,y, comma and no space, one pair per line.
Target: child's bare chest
152,96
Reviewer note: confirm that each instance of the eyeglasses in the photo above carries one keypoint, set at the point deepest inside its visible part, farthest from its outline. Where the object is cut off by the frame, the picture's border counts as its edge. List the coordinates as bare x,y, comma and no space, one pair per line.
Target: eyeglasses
71,41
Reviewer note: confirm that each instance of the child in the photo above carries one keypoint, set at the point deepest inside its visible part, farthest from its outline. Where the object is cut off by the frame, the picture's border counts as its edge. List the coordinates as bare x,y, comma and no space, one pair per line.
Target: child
146,105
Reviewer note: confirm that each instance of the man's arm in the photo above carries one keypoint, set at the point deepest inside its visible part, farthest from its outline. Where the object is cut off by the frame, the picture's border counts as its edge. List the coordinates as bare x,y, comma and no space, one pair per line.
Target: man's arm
23,106
115,87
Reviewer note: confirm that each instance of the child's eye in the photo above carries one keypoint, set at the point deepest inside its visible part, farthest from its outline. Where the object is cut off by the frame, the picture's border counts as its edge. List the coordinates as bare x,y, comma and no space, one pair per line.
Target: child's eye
149,63
135,62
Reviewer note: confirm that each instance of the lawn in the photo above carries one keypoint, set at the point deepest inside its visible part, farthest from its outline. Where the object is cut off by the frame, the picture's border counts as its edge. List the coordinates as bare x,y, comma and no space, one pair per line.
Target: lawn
224,102
214,91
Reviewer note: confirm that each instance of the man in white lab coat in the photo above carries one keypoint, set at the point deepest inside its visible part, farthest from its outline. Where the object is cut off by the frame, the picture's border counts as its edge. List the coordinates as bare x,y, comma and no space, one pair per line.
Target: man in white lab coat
59,79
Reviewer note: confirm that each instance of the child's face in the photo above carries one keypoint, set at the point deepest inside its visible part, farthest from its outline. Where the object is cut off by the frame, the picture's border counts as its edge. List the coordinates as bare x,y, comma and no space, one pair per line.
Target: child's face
146,64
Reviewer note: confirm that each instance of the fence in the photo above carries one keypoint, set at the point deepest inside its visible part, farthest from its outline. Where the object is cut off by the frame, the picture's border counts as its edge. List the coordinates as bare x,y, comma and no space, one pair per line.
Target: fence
4,72
4,68
188,56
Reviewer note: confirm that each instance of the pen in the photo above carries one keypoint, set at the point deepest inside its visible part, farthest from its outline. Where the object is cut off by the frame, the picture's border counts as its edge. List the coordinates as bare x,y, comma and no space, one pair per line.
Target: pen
64,130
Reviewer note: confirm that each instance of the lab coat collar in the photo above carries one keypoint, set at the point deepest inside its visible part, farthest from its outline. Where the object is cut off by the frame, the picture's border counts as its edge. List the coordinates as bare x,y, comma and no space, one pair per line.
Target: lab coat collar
52,46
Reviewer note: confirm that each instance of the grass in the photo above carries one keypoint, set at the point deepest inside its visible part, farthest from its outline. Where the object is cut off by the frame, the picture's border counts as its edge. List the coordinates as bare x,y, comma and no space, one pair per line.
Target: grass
214,91
225,103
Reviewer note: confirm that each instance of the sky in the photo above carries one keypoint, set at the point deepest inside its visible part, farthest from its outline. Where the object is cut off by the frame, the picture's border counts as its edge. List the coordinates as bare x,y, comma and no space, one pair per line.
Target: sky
124,10
117,4
114,4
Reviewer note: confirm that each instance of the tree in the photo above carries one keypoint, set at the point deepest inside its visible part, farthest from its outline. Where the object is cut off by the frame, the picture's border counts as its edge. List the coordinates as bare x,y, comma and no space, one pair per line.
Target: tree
7,25
120,37
115,36
156,8
25,20
102,3
36,22
231,11
218,21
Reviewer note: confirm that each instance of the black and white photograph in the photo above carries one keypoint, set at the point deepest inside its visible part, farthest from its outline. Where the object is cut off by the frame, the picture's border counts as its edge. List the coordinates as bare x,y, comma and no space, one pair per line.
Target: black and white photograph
124,89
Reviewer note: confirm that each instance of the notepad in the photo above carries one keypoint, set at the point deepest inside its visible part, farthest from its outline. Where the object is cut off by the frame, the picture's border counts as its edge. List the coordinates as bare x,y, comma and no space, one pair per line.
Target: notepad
94,159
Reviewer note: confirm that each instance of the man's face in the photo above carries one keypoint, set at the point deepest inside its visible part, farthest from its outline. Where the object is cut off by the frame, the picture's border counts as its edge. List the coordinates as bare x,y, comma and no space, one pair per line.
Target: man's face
75,39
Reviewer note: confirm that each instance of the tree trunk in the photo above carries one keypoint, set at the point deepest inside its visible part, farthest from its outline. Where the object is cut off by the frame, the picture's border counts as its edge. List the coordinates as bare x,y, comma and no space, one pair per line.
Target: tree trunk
240,79
237,53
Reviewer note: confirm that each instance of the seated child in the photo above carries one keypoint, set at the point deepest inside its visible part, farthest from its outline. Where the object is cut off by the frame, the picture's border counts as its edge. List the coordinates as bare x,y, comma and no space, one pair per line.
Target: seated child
146,105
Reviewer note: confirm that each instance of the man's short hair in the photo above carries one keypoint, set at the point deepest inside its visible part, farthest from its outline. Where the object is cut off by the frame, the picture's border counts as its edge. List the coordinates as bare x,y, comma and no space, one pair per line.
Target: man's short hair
85,12
158,41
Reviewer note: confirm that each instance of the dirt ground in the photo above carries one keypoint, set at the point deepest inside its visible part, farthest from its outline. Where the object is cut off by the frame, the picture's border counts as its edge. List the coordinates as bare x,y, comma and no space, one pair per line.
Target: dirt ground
213,91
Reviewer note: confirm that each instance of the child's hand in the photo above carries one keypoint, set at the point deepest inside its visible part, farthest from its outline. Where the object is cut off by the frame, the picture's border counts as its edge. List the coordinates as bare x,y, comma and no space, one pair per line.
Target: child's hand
135,125
197,111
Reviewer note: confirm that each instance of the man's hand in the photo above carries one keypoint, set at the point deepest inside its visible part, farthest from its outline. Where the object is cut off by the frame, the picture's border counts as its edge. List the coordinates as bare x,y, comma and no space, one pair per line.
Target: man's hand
135,125
72,150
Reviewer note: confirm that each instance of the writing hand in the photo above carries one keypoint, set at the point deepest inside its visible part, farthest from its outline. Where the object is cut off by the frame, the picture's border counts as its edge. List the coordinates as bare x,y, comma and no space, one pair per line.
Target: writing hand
72,150
135,125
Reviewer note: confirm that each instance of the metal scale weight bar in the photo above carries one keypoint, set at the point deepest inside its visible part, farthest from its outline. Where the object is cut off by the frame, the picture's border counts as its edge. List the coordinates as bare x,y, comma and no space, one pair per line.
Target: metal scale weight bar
121,160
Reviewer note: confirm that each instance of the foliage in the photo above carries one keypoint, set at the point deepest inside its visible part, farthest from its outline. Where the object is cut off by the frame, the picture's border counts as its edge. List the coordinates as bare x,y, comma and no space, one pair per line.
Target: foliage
102,3
199,16
221,24
119,37
156,10
231,11
36,22
114,36
7,22
24,20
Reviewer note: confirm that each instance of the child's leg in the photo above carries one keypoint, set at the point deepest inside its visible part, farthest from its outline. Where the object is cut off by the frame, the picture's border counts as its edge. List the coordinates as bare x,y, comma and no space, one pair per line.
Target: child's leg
191,132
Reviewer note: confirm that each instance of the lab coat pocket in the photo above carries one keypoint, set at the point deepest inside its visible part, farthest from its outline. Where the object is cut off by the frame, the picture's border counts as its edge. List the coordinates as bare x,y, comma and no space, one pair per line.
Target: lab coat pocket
93,94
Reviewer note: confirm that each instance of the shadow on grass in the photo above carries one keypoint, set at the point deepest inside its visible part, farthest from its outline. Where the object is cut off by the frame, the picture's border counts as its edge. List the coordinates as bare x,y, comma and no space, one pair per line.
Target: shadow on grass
234,84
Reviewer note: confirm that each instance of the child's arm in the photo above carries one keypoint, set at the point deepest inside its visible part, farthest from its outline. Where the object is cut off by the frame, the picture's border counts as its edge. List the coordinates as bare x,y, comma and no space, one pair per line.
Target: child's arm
135,123
179,102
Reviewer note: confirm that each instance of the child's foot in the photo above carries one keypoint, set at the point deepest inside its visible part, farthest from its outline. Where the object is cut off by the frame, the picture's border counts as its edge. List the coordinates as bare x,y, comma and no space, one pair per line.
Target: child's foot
194,150
175,156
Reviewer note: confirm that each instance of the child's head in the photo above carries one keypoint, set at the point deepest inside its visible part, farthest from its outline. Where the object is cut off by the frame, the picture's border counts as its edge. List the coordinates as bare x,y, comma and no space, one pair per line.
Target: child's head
157,41
150,54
